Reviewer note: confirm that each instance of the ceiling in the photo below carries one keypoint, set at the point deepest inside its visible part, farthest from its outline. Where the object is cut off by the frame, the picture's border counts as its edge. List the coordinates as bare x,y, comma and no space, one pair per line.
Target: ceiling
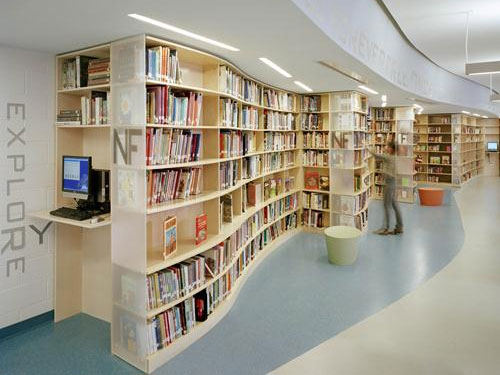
257,27
438,29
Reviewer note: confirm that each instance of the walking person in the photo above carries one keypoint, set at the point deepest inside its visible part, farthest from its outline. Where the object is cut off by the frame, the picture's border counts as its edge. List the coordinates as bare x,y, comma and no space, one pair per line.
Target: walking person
389,170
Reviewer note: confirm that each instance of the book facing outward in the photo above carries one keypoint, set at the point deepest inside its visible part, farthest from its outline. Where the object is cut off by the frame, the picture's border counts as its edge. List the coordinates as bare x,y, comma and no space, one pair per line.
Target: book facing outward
312,180
201,228
169,236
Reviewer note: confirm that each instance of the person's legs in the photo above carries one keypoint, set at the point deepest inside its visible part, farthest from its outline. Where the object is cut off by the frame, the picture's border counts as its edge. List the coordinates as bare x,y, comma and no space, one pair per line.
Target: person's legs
397,212
387,207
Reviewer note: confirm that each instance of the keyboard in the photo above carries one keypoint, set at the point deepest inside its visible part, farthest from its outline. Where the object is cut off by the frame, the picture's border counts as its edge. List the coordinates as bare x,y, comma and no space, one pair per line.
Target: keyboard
72,213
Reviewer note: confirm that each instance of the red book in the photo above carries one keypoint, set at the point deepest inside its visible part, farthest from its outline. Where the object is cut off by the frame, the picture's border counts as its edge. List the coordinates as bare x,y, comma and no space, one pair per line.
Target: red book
312,180
201,228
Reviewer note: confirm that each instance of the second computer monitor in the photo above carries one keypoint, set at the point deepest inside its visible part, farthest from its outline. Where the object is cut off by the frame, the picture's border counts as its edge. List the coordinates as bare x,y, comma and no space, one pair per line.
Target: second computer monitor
76,176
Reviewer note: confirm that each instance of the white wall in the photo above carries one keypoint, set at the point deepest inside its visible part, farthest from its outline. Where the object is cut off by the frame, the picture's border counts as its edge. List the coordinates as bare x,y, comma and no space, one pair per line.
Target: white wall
27,168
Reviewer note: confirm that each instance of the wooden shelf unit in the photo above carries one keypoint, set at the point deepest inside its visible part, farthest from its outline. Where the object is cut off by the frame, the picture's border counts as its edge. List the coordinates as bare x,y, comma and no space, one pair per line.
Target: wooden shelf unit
450,148
395,123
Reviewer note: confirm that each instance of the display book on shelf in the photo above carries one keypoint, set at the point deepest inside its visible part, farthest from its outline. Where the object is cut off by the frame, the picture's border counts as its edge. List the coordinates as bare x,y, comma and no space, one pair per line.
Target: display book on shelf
449,148
395,124
220,154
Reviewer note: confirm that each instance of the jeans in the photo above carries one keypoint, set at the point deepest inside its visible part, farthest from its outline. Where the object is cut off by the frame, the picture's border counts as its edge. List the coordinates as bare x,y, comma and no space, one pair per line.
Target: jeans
390,200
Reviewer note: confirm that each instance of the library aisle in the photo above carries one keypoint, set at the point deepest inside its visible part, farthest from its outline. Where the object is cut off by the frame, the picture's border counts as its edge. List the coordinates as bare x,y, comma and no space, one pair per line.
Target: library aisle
446,326
302,301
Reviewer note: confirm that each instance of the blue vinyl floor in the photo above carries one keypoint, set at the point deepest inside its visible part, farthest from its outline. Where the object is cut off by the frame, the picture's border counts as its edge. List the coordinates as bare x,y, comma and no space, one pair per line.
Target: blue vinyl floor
293,301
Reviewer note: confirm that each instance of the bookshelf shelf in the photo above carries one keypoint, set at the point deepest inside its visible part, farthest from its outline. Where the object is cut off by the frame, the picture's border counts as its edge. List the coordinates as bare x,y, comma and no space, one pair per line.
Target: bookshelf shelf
84,90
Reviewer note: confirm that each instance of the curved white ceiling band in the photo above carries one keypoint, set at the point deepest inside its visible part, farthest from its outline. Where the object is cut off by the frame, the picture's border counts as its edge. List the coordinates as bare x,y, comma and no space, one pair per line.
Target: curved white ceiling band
365,32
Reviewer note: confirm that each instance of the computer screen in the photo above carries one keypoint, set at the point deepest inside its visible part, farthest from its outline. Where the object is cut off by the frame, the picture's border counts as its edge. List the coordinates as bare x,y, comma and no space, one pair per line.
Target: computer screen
76,172
492,146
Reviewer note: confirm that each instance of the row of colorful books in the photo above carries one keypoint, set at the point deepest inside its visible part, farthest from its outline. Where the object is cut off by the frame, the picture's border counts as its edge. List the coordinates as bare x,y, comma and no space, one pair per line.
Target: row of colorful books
311,103
349,158
172,184
315,140
94,110
275,141
315,200
313,218
251,166
176,281
228,174
311,122
229,113
166,146
249,117
383,113
166,106
234,84
384,126
162,64
278,120
230,143
278,100
166,327
84,71
314,158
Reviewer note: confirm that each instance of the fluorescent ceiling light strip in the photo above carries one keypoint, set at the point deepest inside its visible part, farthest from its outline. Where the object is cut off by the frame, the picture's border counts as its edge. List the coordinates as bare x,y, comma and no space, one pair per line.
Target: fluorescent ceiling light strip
280,70
307,88
182,31
466,112
418,106
484,116
476,114
367,89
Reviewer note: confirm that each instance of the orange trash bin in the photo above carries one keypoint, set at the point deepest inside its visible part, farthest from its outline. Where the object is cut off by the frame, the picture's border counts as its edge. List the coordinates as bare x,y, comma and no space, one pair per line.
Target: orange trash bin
431,196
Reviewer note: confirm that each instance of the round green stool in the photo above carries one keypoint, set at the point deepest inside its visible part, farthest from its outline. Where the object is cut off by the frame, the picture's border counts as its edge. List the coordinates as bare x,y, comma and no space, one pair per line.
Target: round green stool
342,244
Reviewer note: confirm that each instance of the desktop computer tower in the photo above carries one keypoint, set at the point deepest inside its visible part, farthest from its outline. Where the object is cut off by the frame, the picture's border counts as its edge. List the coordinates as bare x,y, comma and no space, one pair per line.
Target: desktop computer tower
100,190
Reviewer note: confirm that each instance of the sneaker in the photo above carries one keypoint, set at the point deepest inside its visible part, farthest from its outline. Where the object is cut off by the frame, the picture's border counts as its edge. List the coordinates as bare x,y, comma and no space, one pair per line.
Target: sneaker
397,231
382,231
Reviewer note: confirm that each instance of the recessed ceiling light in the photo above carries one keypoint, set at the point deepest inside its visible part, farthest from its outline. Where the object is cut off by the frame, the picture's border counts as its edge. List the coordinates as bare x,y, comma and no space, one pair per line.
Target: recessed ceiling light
307,88
487,67
476,114
280,70
384,104
466,112
384,98
182,31
367,89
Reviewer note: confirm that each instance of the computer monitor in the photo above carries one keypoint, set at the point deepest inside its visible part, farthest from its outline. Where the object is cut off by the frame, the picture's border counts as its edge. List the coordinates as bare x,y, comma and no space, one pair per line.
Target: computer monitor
492,146
76,176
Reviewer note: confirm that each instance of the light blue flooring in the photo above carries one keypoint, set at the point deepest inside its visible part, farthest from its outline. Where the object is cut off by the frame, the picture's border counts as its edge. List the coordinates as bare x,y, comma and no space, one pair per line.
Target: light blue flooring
293,301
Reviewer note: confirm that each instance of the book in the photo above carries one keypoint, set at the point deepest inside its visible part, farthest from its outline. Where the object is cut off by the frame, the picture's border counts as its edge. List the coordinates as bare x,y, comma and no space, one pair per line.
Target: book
227,208
312,180
324,183
254,193
169,236
201,228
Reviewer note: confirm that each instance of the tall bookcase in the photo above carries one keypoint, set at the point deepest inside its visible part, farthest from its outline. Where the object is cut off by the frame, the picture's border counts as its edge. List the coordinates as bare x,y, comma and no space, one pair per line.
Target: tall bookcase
450,148
234,107
315,120
396,124
350,175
